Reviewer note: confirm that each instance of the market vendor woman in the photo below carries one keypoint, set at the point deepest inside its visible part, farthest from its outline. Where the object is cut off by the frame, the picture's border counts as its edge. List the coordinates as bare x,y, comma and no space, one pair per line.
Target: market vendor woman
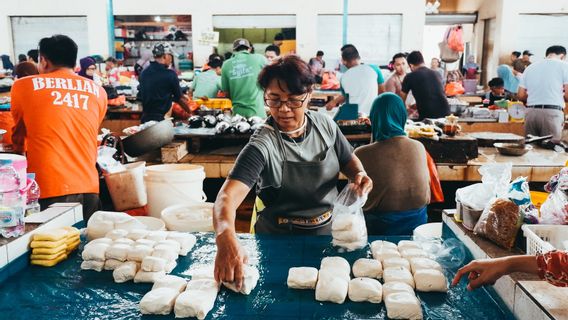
295,160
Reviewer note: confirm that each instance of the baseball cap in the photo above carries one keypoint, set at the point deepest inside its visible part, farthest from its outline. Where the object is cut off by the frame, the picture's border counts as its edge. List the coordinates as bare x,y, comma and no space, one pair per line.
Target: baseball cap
527,53
241,42
161,49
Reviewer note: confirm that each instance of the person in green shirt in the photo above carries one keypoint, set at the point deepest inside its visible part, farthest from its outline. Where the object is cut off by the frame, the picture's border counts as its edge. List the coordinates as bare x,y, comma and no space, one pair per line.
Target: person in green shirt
208,83
239,80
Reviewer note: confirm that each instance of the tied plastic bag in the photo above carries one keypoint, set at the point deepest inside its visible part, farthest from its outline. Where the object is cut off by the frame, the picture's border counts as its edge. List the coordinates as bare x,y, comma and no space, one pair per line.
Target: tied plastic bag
555,209
495,180
348,228
106,160
520,194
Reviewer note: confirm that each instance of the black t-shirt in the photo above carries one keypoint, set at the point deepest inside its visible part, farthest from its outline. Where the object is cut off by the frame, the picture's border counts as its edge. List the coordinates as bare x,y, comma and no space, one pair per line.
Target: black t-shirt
159,86
250,163
430,98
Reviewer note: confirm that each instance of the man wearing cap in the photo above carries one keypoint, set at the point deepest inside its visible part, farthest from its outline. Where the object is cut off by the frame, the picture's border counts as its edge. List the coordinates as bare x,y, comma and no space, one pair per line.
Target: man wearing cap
544,88
239,80
159,86
521,64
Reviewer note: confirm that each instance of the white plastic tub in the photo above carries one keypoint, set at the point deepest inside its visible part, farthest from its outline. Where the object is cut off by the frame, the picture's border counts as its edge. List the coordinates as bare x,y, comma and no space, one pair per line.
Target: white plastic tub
171,184
189,217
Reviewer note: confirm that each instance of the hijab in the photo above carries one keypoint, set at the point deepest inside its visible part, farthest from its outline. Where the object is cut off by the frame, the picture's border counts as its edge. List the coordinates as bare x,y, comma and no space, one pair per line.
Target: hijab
86,63
511,82
388,117
470,63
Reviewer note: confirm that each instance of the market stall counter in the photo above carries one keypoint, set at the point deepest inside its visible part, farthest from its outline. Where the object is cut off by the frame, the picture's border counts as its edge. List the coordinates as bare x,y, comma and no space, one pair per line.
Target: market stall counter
525,295
64,291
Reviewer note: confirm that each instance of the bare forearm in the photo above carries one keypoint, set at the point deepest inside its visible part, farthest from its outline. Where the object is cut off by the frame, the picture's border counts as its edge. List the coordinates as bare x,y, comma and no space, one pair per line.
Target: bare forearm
352,168
525,264
184,103
224,214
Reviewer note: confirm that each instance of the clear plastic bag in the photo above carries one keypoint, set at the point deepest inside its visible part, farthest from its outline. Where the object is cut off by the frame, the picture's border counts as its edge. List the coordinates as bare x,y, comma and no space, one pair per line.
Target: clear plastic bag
495,180
106,161
500,222
348,227
555,209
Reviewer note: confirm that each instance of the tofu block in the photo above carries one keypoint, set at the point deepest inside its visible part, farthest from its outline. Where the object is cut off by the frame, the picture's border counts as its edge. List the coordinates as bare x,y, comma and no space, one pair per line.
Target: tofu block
413,253
112,264
396,262
137,234
157,235
95,251
92,265
172,282
398,274
430,280
396,287
378,245
153,264
108,241
197,300
302,278
365,289
249,283
339,264
186,241
116,234
408,244
50,251
148,277
164,252
117,252
125,272
145,242
125,241
424,263
403,305
158,301
202,272
331,287
53,235
368,268
48,244
385,253
170,266
170,243
139,252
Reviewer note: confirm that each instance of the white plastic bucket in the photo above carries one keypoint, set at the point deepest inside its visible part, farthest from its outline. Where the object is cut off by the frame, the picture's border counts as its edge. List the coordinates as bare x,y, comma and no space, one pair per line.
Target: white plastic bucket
127,188
20,164
196,217
170,184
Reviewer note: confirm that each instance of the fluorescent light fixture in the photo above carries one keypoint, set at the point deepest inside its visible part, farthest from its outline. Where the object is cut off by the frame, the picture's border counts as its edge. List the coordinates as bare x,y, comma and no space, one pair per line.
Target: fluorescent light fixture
157,19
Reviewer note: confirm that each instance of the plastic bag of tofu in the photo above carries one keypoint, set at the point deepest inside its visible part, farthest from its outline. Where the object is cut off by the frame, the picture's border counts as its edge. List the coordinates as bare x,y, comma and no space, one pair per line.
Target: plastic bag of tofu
348,226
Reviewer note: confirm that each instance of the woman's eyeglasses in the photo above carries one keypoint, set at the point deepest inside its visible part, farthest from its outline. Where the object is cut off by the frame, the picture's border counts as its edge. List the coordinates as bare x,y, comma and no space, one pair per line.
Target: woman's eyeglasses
290,103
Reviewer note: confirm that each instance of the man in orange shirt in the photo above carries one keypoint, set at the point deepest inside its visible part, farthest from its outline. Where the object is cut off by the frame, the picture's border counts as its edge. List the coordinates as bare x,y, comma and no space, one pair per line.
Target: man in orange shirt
57,115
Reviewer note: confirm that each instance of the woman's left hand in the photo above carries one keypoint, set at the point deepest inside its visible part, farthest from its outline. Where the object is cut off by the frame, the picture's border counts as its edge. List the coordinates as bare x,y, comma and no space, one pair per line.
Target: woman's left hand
363,183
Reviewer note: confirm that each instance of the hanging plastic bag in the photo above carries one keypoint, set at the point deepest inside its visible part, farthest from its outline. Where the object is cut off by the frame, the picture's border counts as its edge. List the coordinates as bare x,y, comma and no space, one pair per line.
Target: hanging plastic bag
555,209
447,54
500,222
455,39
348,228
454,89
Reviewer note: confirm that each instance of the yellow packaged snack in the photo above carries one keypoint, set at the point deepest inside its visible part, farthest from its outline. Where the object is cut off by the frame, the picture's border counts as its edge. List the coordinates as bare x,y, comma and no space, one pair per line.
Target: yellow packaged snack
50,235
49,263
46,256
47,244
55,250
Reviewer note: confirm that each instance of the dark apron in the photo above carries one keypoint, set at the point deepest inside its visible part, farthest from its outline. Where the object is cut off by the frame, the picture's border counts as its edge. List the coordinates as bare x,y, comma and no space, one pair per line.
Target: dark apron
308,190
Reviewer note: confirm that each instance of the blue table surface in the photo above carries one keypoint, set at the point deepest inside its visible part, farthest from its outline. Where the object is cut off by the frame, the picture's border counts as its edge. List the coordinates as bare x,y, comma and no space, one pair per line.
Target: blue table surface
66,292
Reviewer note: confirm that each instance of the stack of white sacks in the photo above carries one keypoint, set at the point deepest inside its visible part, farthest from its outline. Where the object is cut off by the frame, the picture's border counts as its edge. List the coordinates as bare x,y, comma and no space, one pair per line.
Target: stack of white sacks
403,268
139,255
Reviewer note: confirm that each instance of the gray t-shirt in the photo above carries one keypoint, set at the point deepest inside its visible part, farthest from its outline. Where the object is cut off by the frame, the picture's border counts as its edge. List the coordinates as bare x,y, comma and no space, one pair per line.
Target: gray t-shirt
544,82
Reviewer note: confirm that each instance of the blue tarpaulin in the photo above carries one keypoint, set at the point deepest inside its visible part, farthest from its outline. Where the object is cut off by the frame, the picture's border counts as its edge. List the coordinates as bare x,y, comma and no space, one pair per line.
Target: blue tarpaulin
66,292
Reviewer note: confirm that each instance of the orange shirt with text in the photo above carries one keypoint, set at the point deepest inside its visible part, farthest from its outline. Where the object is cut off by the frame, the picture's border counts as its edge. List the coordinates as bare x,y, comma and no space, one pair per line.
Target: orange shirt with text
57,117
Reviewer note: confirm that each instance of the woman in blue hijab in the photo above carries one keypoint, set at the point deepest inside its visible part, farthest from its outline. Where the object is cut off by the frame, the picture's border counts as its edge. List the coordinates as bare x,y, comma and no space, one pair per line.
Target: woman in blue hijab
511,82
398,165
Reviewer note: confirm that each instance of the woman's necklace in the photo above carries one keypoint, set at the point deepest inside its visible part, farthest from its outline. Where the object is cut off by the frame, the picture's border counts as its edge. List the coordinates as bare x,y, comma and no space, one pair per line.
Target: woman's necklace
302,127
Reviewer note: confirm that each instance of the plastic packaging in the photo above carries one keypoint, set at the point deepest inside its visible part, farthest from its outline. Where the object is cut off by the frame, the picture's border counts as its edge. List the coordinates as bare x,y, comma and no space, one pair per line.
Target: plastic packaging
107,162
11,202
348,228
32,195
555,209
500,222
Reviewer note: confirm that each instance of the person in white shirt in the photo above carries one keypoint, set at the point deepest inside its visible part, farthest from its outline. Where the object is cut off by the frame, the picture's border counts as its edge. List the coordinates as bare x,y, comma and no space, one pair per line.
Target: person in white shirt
544,89
360,85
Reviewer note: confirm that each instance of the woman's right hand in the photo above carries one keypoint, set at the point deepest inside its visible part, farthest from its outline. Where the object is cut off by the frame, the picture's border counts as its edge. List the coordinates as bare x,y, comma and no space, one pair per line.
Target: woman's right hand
230,259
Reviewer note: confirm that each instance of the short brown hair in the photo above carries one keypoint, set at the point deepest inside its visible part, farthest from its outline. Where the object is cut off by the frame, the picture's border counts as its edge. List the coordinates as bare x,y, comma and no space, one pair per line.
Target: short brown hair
291,70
